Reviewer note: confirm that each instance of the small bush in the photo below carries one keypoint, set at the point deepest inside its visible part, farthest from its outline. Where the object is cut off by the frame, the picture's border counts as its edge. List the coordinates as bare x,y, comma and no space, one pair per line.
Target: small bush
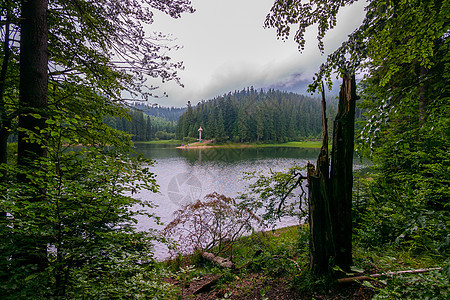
212,224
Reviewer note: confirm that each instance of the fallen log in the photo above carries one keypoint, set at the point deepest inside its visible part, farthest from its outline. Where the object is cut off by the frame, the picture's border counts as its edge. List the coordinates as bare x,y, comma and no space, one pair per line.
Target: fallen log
374,276
223,262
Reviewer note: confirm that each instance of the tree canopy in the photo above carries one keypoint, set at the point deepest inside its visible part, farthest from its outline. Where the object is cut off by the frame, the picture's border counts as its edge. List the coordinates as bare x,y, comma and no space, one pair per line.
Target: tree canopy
67,217
400,52
392,33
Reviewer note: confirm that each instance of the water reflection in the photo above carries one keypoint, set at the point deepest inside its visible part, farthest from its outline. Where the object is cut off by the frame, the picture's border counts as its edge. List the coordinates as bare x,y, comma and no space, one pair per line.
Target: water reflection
155,151
187,175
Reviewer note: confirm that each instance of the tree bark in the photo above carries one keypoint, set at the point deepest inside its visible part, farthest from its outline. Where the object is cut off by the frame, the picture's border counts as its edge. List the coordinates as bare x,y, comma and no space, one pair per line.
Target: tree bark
223,262
33,88
33,85
4,118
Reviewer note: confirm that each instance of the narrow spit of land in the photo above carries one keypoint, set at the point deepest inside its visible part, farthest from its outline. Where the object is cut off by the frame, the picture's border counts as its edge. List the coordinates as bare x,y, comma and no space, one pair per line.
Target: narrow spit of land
210,144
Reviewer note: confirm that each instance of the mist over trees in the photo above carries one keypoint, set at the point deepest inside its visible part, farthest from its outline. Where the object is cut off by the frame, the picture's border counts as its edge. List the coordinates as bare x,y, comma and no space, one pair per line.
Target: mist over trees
255,116
169,113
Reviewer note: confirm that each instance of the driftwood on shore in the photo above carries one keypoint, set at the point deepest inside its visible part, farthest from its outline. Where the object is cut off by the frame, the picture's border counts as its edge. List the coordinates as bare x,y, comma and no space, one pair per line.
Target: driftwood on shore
223,262
374,276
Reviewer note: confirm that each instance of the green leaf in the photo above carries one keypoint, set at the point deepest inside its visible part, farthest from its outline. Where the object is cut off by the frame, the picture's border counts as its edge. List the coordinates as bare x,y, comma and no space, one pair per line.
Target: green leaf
368,284
36,116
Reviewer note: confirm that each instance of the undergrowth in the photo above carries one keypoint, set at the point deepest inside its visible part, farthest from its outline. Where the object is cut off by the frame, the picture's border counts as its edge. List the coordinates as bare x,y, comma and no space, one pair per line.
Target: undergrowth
284,254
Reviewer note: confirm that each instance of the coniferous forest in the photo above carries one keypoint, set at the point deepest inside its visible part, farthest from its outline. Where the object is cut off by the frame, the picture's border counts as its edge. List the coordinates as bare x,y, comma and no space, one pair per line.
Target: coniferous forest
247,115
147,123
250,115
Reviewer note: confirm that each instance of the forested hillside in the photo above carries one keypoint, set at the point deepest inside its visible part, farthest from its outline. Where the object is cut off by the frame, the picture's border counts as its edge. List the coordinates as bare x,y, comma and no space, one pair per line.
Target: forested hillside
255,116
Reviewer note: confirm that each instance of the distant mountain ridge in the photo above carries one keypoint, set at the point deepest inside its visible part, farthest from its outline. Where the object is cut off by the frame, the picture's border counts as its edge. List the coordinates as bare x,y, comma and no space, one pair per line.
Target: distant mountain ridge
171,114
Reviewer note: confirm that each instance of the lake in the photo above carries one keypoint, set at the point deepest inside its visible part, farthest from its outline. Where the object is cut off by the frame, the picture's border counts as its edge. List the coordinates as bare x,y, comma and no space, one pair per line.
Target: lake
184,176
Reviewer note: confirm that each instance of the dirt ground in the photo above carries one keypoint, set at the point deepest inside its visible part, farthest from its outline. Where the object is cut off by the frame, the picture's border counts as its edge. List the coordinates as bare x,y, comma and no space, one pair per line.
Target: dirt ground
255,286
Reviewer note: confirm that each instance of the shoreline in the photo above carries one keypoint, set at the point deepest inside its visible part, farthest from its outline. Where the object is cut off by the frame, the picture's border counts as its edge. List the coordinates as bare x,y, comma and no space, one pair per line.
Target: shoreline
187,147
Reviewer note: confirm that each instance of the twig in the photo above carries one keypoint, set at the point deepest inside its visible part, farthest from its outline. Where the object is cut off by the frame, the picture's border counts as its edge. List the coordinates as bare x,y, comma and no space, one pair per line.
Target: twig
298,183
290,259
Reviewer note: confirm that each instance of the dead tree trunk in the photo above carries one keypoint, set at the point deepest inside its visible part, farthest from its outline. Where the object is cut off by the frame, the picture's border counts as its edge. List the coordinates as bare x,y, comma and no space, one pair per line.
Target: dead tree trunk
321,245
342,172
330,195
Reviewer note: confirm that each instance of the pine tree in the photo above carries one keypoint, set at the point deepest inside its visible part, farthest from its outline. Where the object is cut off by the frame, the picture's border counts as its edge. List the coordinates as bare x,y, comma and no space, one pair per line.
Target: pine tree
220,136
148,131
242,125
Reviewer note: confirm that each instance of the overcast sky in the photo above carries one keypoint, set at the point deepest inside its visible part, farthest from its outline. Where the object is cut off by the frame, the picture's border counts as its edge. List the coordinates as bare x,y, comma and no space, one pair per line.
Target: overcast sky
226,48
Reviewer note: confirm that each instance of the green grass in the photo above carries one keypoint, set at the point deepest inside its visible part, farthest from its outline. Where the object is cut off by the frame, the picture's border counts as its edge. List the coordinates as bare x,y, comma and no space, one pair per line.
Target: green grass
280,248
305,144
162,142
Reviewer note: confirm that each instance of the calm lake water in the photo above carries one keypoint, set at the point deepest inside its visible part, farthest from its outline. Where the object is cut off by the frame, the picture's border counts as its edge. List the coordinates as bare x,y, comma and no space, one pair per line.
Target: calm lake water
184,176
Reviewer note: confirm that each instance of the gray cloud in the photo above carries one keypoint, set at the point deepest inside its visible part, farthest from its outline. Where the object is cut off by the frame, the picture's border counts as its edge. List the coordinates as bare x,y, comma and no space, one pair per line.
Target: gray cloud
226,48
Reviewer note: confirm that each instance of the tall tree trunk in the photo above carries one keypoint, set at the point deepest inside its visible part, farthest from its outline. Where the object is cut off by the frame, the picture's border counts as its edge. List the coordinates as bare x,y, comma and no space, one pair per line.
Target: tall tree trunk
4,118
330,194
33,77
32,100
5,121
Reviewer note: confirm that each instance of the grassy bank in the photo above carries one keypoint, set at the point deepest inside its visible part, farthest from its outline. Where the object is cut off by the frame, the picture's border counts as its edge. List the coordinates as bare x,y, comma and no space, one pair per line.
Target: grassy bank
162,142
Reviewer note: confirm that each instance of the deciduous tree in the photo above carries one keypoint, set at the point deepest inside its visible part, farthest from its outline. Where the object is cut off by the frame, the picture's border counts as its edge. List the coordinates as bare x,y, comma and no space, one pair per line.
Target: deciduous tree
398,47
69,212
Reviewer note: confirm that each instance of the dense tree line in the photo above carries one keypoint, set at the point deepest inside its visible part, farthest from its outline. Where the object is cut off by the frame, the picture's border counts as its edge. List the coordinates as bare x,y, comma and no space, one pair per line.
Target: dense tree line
254,116
143,127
